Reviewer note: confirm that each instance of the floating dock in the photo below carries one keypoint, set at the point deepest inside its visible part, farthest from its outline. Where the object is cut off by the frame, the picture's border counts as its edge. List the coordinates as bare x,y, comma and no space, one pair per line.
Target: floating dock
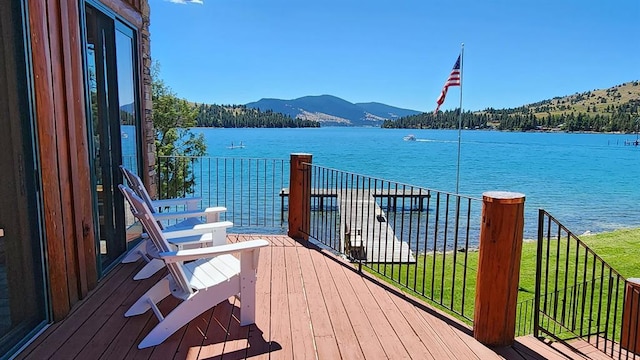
365,233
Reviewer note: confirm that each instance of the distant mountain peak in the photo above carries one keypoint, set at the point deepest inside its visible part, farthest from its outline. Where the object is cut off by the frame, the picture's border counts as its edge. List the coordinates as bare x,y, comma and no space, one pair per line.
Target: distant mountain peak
332,110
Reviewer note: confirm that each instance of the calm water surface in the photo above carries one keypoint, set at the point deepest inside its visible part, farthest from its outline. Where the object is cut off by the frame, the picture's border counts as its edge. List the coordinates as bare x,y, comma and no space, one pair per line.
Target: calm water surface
590,182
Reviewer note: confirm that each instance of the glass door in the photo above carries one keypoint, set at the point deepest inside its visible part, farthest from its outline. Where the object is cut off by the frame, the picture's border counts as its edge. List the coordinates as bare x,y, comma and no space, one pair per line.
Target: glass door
23,295
105,135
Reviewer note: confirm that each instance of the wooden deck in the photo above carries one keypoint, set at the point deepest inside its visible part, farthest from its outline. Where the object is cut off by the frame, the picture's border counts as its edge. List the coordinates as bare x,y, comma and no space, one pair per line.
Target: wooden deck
311,305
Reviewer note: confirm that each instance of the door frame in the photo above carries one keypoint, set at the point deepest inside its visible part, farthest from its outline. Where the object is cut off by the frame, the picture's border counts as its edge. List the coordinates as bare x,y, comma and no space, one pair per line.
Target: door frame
28,175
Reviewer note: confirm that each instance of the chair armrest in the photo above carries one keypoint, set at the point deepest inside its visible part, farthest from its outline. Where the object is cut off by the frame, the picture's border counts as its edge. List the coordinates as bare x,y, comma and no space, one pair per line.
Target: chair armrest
210,252
189,213
198,229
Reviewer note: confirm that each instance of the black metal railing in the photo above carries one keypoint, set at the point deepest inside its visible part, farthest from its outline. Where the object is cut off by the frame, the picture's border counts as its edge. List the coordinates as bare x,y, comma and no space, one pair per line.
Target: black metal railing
524,317
417,238
248,187
578,295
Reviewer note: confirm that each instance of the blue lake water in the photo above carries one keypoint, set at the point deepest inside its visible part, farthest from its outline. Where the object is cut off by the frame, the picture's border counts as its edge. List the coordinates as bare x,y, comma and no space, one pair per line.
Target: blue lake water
588,181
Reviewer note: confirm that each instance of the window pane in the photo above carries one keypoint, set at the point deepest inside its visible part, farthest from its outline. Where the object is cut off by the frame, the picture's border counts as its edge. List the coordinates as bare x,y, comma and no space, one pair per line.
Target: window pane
128,103
125,50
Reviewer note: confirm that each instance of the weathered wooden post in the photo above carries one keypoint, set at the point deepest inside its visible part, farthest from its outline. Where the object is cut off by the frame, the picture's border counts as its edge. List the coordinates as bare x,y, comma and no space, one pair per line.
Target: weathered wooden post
494,319
630,335
299,196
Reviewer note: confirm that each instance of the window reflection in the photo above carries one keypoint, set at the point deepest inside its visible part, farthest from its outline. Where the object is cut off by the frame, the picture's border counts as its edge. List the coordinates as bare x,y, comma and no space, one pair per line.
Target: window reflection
128,106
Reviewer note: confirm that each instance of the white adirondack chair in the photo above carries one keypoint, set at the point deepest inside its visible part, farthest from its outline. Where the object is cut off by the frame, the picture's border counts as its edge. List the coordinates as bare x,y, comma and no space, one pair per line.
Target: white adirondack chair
191,216
213,277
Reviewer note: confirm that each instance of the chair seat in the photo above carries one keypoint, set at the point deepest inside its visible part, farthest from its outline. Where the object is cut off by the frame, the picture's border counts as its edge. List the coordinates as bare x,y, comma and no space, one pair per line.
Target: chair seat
206,273
196,241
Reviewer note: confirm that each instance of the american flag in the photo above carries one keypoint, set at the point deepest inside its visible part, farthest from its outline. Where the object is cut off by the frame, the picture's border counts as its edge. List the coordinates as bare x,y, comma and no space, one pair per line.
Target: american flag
453,80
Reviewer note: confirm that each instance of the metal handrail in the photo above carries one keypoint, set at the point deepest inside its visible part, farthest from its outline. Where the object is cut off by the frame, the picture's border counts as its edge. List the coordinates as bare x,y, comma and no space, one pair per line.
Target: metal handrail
414,237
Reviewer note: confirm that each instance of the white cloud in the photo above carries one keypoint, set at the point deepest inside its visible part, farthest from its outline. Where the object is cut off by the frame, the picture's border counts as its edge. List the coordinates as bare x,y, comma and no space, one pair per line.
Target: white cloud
201,2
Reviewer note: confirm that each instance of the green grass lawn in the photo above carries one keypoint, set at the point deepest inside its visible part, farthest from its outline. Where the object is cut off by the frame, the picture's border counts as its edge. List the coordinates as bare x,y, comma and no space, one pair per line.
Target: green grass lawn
620,249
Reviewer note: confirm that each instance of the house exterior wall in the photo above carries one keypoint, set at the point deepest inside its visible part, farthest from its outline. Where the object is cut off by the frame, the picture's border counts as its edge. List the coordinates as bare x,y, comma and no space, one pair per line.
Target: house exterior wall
149,146
61,127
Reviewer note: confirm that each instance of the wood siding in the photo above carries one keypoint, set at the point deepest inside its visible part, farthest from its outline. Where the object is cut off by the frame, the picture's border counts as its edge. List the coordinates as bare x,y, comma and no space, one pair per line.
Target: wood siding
61,122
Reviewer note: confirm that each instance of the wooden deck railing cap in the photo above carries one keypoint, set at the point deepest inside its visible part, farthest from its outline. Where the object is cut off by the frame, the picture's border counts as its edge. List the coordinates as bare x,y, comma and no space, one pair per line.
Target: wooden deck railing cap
503,197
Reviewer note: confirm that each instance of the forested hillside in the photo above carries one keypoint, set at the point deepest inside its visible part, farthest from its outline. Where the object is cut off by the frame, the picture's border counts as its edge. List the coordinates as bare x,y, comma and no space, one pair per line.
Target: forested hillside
616,109
444,120
239,116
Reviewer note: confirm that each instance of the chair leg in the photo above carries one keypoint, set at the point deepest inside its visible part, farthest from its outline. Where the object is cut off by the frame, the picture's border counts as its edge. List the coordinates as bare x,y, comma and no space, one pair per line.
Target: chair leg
138,251
158,292
148,270
247,297
187,310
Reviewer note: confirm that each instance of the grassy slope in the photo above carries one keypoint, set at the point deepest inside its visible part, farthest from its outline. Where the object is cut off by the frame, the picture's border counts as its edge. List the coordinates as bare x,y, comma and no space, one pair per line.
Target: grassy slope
600,98
620,249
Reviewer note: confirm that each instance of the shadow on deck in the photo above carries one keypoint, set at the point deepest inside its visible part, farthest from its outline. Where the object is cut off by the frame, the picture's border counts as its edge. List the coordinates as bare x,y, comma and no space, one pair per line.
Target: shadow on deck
310,305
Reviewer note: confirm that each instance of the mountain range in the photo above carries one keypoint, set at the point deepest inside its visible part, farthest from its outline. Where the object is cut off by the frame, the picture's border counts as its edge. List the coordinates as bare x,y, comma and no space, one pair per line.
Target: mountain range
332,110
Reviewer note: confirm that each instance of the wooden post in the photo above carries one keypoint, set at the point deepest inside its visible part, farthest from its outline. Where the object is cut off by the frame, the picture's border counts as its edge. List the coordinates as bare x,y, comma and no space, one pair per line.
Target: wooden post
299,196
498,268
630,335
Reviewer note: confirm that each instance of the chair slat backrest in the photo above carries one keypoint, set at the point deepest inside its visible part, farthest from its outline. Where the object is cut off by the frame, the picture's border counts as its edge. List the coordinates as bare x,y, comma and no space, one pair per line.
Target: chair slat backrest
142,212
136,184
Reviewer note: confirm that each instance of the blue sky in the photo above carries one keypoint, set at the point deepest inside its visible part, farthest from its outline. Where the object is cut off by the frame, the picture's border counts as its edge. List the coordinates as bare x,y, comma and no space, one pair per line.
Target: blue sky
395,52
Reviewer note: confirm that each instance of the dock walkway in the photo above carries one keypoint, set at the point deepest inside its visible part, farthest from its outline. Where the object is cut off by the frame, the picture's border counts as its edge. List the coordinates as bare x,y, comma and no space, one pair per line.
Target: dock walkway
367,237
365,233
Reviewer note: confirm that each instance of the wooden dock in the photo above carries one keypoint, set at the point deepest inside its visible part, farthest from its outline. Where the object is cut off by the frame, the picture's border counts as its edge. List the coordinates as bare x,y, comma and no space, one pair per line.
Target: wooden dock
367,237
365,233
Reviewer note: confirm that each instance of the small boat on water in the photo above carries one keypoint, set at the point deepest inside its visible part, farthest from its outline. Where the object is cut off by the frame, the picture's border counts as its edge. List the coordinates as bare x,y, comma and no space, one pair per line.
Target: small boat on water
241,146
409,137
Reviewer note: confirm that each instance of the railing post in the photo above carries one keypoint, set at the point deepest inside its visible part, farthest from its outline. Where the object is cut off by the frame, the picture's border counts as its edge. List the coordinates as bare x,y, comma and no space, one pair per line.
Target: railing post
299,196
498,268
538,290
630,336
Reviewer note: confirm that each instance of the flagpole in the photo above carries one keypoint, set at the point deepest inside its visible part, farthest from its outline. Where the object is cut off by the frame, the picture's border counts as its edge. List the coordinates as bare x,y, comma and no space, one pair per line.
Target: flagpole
460,119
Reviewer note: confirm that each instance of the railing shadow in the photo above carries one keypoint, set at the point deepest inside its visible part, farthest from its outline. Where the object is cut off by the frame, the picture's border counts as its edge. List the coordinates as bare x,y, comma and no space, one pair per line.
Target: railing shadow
331,255
227,329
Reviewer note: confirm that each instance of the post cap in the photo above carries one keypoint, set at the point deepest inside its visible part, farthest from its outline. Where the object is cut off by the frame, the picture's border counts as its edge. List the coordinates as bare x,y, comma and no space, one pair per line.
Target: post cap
503,197
635,282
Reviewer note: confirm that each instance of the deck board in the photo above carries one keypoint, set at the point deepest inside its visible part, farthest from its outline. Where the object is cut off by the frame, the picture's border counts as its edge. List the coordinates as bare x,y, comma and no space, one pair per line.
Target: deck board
300,320
344,333
216,332
280,330
259,337
357,313
323,335
414,345
310,304
385,333
438,345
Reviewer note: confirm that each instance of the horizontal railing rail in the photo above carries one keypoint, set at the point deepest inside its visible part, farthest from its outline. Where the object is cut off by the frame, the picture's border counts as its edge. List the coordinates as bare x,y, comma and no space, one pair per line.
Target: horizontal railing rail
420,239
578,295
248,187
